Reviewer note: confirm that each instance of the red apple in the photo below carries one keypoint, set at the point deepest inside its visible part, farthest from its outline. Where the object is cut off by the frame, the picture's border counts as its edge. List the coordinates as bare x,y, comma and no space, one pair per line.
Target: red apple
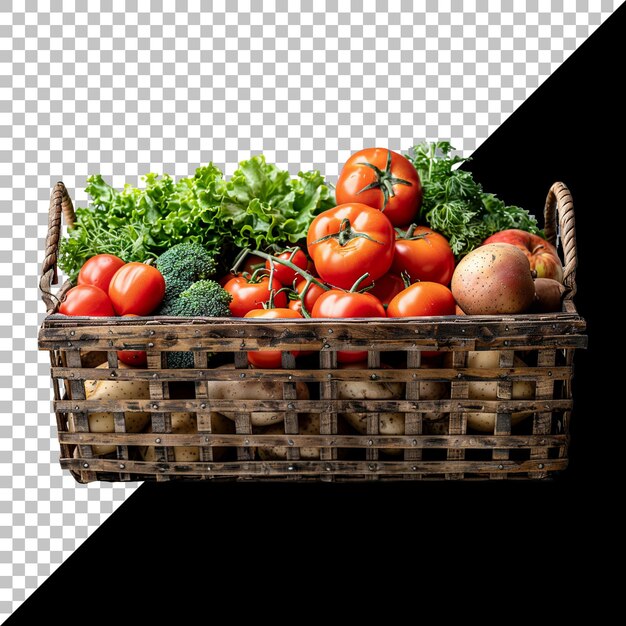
543,257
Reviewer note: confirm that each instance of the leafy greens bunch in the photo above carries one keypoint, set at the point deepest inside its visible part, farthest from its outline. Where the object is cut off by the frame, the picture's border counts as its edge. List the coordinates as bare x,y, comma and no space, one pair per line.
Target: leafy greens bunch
456,206
258,206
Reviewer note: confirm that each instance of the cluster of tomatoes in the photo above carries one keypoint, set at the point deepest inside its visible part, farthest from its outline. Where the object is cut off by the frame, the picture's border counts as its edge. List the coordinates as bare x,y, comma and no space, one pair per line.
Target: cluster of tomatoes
366,258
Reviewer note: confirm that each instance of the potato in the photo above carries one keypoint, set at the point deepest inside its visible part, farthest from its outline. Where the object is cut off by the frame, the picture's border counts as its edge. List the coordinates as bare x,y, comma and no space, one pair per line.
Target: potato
488,390
246,389
104,422
185,423
391,423
308,424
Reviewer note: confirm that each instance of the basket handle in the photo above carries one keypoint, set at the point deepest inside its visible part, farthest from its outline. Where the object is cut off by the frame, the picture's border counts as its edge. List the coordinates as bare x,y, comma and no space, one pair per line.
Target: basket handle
559,204
60,202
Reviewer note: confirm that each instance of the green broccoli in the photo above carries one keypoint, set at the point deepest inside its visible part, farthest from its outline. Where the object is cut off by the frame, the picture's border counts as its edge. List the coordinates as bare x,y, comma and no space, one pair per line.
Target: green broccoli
181,266
204,298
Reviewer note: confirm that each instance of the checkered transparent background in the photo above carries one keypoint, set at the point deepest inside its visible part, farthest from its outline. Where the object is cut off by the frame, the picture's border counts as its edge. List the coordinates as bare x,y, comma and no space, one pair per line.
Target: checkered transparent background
103,86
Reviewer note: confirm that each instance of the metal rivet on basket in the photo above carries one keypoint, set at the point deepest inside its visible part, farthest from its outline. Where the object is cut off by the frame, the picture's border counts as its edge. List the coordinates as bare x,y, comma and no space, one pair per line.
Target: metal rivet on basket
163,469
414,406
290,442
291,406
150,345
242,345
459,375
85,464
373,377
500,466
157,440
206,440
208,467
242,375
72,333
372,467
151,332
329,375
506,328
203,405
122,466
113,374
246,442
549,372
245,467
155,406
506,342
414,468
459,406
542,441
370,442
328,468
71,374
291,468
330,331
69,343
290,377
414,442
546,406
76,407
154,375
540,466
326,346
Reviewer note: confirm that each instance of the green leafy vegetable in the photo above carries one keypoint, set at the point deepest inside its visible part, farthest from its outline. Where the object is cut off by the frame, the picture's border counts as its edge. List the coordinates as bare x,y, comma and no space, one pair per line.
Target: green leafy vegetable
456,206
259,206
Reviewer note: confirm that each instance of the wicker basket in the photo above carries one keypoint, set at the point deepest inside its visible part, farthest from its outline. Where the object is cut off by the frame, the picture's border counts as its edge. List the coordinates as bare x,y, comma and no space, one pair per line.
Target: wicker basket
435,442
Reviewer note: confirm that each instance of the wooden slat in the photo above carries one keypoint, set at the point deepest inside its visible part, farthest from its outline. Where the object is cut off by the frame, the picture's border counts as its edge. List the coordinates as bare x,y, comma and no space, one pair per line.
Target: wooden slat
81,417
459,391
304,375
203,416
419,442
503,418
119,420
544,390
291,415
320,406
243,424
373,419
161,420
328,415
412,419
320,468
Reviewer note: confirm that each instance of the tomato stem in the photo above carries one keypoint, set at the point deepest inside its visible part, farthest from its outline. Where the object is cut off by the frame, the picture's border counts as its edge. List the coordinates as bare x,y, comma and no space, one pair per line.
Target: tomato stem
290,265
384,181
355,287
345,234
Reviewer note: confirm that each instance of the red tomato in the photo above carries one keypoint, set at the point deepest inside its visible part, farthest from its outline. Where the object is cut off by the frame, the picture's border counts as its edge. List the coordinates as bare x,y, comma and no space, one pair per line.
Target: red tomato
270,359
98,270
136,288
248,296
423,298
285,274
384,180
312,294
424,255
336,303
349,240
138,358
387,287
87,300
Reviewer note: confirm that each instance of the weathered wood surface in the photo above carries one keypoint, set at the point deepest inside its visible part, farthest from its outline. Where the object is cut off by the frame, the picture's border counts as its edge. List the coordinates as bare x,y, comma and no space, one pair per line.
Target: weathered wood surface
410,374
314,406
316,468
415,442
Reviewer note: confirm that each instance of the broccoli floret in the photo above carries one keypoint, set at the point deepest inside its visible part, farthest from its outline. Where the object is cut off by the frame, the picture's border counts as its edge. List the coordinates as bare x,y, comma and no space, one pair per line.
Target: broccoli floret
205,298
181,266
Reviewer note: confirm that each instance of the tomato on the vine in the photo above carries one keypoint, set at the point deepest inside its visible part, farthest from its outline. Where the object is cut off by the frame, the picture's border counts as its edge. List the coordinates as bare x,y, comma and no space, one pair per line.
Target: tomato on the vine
420,299
336,303
252,292
350,240
285,274
99,270
312,294
270,359
424,255
387,287
136,288
384,180
87,300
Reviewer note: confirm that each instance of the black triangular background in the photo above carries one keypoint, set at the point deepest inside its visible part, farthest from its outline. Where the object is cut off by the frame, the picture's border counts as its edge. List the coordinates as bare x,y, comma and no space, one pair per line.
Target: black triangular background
264,541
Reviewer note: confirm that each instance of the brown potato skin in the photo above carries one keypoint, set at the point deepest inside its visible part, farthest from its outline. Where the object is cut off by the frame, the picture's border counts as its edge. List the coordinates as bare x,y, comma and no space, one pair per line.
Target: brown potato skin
548,296
494,279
